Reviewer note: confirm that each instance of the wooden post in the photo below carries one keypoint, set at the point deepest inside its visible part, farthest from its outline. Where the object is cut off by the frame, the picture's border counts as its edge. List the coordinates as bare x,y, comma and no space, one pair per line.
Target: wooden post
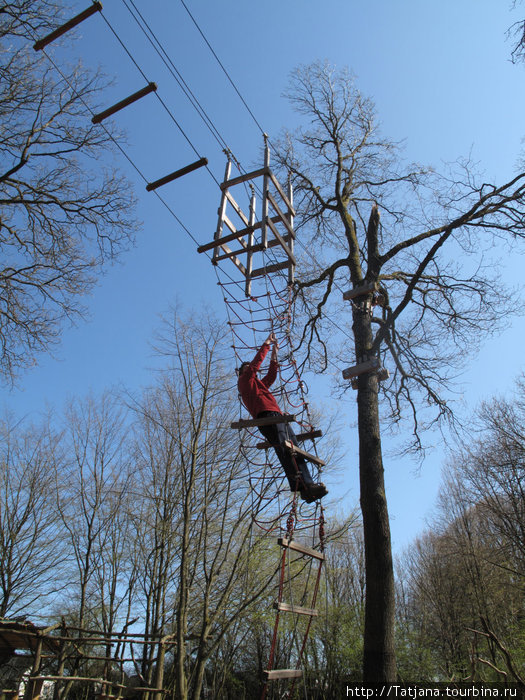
42,43
159,672
151,87
178,173
290,238
222,211
249,256
264,215
34,687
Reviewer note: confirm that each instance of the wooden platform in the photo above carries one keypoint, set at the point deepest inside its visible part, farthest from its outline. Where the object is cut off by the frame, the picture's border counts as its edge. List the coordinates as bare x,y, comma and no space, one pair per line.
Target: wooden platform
297,609
268,420
361,368
252,234
301,548
283,673
306,455
360,291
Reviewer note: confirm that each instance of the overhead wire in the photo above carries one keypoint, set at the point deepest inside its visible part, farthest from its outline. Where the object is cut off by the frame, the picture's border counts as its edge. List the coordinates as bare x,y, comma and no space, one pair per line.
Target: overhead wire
176,74
161,51
250,112
222,66
210,125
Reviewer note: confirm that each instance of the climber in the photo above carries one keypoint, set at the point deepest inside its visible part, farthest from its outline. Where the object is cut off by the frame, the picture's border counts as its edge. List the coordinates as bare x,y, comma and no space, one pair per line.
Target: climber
260,402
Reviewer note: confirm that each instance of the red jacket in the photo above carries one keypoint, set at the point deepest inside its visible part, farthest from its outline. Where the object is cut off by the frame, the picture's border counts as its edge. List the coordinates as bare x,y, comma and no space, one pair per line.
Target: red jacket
255,392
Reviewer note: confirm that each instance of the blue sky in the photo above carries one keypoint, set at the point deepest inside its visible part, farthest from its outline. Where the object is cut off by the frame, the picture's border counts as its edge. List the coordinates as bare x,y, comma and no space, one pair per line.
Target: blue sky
442,82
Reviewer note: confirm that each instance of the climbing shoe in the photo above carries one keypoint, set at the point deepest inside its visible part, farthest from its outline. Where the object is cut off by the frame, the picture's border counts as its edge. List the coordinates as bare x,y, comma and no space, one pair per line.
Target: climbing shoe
312,492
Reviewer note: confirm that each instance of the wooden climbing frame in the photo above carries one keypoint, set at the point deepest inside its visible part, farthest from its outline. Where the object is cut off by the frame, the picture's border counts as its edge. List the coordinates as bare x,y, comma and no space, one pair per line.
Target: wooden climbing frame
249,235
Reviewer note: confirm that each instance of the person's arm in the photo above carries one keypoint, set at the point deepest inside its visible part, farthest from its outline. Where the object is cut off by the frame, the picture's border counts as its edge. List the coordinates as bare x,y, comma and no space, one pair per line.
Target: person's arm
274,350
271,376
260,355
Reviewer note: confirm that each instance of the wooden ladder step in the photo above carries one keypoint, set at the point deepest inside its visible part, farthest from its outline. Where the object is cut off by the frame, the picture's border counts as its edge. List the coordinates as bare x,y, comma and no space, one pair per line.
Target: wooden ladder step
361,368
243,178
302,548
283,673
271,268
268,420
311,435
306,455
359,291
297,609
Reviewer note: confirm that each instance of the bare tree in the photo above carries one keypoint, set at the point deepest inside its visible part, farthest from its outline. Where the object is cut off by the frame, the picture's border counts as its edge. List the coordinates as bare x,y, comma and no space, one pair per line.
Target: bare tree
339,639
32,553
63,212
197,515
91,493
423,279
491,472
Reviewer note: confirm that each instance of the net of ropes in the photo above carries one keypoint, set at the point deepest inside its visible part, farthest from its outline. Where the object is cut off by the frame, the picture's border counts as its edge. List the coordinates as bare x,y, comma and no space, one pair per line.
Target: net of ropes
258,302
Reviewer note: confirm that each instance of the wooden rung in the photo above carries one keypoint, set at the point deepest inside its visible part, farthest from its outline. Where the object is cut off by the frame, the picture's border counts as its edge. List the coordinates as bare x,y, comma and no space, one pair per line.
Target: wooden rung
283,673
229,224
303,453
270,268
282,217
223,239
242,178
178,173
282,193
234,236
41,43
237,208
267,420
301,437
297,609
362,368
124,103
246,249
302,548
359,291
282,242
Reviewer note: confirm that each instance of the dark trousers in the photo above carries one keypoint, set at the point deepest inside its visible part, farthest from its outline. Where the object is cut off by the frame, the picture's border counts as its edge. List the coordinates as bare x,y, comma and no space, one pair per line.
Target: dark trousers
295,467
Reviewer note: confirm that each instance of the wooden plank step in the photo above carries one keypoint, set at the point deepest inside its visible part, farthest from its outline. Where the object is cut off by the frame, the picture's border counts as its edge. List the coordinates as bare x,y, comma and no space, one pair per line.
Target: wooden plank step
268,420
42,43
235,260
235,236
178,173
282,242
300,438
242,178
361,368
271,268
110,111
359,291
279,189
240,251
282,216
283,673
297,609
303,453
237,208
301,548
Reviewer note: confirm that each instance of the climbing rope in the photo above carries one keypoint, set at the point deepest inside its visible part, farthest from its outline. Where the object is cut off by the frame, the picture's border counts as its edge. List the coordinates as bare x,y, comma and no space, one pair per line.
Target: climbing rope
270,308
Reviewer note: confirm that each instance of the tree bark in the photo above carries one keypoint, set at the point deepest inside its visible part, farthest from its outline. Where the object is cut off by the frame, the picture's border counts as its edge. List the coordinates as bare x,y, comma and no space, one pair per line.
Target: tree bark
379,663
379,660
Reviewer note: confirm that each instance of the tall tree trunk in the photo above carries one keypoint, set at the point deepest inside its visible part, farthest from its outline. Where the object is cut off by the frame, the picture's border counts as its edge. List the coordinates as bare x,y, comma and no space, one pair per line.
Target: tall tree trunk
379,662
